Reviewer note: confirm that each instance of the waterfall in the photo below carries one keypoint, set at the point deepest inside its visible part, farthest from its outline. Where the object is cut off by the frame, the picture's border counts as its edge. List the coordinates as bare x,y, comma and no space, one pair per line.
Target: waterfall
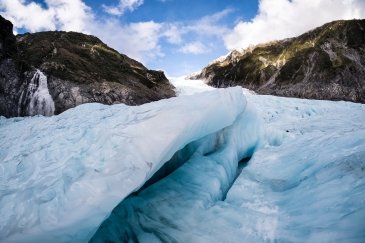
35,98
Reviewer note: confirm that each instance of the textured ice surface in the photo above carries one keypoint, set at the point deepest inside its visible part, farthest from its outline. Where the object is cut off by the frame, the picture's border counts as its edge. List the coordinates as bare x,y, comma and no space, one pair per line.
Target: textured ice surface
188,86
61,176
311,188
306,185
177,208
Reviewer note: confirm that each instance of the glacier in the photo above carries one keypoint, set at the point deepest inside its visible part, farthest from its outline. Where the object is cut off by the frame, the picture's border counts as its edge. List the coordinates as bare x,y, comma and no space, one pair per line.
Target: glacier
212,165
305,181
61,176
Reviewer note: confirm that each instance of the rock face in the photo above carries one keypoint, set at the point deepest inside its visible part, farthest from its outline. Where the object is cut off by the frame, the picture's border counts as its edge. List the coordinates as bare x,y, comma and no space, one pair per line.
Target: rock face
325,63
49,72
7,38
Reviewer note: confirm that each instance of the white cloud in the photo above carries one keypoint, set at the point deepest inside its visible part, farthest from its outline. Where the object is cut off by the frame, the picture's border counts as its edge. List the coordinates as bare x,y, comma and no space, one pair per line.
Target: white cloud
203,28
123,5
137,40
70,15
28,15
59,14
173,33
140,40
288,18
209,25
194,48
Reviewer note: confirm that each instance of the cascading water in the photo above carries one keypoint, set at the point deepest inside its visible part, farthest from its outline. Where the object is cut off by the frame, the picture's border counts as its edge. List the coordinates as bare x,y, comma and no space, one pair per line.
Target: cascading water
35,98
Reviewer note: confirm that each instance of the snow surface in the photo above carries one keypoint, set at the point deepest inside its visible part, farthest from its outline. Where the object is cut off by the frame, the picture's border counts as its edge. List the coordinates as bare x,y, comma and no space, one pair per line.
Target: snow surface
61,176
188,86
306,185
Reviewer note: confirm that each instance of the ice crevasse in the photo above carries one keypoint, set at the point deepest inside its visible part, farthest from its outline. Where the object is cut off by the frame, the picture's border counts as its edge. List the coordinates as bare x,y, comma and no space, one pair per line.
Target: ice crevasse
61,176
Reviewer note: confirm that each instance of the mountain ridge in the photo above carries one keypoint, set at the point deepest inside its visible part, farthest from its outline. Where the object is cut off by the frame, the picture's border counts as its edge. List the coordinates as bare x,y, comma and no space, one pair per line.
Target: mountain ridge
79,69
327,62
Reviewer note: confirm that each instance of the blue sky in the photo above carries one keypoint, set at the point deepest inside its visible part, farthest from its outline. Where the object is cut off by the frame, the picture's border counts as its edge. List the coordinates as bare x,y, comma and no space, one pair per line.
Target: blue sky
179,36
182,10
174,61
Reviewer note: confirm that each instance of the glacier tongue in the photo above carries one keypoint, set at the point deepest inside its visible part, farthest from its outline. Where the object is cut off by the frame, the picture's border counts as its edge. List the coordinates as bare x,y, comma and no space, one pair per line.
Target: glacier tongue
306,185
61,176
35,98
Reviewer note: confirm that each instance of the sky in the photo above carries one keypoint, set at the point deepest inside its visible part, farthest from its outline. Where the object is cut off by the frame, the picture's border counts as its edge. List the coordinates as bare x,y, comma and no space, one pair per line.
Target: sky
179,36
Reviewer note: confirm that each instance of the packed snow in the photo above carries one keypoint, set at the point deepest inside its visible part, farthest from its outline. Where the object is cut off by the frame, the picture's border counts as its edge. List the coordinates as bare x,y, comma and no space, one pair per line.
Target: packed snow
305,184
189,87
62,176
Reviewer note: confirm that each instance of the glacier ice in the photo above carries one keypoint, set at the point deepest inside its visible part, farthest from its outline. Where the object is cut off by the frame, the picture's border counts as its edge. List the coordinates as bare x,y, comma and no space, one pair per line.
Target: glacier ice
307,184
188,86
317,190
170,209
61,176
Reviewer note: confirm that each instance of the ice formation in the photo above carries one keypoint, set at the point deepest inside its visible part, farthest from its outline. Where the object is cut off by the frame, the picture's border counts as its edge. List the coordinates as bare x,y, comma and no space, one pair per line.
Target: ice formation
62,176
305,185
171,209
35,98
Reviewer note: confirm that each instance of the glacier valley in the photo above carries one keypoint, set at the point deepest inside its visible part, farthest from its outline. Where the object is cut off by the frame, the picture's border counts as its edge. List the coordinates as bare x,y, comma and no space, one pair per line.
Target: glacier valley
212,165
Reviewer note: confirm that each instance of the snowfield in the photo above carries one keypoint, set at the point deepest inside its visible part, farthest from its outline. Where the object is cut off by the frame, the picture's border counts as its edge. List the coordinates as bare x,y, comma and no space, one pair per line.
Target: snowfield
62,176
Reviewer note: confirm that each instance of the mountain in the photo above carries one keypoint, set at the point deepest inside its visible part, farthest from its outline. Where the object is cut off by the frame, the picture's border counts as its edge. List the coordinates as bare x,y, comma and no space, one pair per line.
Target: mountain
325,63
49,72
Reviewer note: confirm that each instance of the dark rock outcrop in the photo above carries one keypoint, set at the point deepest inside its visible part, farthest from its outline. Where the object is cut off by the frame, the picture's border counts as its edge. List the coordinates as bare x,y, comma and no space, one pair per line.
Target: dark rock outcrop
325,63
70,68
7,39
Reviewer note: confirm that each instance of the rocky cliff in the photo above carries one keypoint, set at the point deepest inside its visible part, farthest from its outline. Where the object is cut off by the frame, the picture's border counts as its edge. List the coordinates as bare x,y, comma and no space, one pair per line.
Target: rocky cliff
325,63
49,72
